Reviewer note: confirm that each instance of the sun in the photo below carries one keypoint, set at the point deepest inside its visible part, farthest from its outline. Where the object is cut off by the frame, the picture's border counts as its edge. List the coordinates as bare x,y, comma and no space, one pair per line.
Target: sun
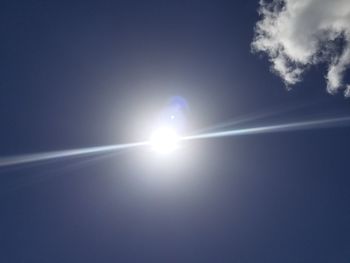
164,140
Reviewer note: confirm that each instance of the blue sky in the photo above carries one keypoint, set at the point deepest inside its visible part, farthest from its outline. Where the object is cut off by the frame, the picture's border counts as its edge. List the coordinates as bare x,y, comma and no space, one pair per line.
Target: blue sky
92,73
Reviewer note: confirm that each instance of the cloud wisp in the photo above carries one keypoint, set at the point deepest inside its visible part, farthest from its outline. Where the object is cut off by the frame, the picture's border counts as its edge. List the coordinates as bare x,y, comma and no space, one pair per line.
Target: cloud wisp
297,34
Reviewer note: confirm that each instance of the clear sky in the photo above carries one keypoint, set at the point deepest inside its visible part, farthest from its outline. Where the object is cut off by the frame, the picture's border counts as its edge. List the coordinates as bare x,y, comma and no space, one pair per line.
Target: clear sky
76,74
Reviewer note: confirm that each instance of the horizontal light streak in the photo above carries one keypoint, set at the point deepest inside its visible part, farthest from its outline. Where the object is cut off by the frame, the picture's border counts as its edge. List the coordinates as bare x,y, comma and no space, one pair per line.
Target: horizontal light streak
273,128
37,157
46,156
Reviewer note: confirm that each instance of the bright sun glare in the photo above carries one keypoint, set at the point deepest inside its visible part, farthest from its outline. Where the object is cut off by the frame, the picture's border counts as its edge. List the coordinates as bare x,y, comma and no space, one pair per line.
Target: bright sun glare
164,140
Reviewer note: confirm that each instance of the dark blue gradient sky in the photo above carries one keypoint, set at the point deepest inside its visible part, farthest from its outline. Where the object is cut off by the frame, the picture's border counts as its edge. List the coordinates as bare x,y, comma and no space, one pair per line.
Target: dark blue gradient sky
87,73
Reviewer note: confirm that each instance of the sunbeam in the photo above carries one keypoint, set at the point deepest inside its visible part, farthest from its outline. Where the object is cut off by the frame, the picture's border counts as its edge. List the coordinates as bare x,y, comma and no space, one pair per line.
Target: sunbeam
274,128
37,157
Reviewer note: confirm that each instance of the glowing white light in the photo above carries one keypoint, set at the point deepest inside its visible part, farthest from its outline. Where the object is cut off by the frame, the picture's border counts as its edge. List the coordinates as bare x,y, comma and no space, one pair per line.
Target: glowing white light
164,140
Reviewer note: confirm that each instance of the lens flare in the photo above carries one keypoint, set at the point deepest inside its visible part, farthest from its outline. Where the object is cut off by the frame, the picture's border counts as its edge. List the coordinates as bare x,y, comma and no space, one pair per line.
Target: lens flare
166,139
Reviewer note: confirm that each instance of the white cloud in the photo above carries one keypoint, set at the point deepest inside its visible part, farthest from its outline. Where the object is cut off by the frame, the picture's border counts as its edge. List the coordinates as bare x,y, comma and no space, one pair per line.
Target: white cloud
296,34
